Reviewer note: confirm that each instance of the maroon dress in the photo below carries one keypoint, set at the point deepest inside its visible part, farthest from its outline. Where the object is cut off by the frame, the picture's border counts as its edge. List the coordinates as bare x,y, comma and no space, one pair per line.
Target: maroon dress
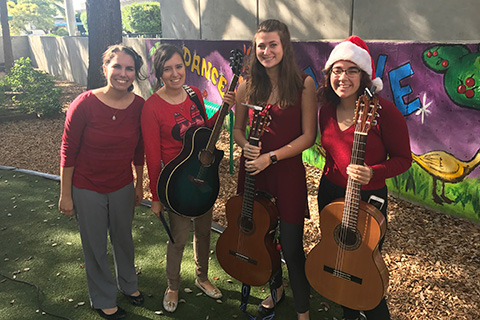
284,180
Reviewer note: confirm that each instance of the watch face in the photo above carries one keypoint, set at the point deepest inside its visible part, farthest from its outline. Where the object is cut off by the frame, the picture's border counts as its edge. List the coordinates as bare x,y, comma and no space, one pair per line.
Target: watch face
273,157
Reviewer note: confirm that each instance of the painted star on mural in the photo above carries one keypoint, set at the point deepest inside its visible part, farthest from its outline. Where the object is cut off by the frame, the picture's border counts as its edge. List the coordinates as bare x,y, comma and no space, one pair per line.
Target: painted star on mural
423,109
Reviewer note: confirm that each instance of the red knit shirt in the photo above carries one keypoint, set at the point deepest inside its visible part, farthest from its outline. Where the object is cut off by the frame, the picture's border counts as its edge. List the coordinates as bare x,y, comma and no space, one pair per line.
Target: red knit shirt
102,149
387,152
163,128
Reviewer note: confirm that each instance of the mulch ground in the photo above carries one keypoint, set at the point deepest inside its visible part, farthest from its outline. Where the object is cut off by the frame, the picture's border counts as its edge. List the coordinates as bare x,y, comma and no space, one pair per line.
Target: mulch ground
433,258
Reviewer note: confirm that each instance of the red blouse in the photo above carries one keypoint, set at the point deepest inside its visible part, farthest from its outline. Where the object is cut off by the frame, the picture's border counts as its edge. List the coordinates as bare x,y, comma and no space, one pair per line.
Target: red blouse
163,128
387,152
102,149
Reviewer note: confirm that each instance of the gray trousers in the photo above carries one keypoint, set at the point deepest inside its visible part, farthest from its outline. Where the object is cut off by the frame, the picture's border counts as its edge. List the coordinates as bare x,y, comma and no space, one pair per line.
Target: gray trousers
180,228
98,214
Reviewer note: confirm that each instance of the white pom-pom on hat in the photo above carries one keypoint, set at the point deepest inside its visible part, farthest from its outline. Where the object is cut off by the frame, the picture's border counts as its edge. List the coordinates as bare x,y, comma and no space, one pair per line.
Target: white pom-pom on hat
355,50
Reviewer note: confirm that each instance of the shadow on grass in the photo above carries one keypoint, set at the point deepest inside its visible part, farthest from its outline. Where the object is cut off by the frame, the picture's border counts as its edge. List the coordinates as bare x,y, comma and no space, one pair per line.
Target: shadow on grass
42,247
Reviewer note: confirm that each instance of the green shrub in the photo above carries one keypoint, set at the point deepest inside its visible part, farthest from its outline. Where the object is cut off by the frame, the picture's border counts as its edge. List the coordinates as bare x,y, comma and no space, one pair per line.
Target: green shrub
62,32
142,18
34,90
83,19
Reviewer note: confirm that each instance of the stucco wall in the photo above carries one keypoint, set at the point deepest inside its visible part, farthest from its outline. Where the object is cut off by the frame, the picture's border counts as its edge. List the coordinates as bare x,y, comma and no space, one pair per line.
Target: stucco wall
438,20
66,57
20,48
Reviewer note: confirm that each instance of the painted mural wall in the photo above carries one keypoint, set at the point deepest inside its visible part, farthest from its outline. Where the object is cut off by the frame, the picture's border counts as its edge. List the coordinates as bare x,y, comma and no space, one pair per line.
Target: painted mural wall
436,86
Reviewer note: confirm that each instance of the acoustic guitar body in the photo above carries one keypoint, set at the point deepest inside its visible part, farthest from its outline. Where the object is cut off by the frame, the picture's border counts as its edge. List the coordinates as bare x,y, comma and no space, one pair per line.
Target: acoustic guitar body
186,186
348,268
246,249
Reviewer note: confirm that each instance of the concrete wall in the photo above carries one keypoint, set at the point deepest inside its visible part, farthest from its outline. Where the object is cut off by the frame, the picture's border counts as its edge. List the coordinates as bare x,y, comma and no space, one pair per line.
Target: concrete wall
433,20
66,57
20,48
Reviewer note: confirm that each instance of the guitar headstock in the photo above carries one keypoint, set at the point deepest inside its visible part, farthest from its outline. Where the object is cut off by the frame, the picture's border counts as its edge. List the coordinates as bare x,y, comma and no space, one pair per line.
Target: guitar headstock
366,112
260,120
236,60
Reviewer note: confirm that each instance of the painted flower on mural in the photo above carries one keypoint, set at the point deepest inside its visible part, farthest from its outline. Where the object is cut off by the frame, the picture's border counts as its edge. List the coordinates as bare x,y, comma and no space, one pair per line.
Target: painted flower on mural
462,72
423,109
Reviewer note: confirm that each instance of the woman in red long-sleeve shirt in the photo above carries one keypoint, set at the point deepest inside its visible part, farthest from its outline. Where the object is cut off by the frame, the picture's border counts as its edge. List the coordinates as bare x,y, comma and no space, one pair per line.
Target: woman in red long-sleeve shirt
348,71
102,138
167,115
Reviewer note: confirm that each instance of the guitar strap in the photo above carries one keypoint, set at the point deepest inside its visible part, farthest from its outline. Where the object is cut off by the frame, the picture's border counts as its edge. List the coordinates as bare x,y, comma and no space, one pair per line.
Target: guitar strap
196,100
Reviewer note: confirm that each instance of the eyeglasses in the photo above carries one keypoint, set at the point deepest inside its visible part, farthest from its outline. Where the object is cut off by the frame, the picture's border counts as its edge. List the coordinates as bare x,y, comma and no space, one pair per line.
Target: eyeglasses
350,72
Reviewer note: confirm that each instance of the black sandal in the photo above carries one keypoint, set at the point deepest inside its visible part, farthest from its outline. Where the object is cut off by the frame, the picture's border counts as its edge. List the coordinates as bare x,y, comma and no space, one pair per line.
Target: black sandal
265,312
135,300
119,314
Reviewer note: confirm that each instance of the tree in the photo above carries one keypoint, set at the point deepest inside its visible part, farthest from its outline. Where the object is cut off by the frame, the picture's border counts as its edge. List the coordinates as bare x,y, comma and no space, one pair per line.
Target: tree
83,19
105,28
7,40
32,14
142,18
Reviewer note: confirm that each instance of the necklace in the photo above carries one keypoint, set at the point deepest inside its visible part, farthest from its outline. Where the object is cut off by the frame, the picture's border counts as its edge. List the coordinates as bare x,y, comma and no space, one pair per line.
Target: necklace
114,117
175,103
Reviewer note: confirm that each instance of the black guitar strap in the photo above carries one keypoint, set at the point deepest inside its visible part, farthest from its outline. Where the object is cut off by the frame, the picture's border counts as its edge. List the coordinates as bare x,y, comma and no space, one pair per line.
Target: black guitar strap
196,100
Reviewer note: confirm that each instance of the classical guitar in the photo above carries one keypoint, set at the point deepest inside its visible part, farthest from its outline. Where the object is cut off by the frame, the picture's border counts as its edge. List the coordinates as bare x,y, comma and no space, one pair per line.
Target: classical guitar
246,249
189,184
346,266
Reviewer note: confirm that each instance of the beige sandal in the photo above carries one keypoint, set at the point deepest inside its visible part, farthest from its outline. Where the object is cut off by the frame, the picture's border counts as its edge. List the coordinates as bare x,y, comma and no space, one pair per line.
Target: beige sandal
215,293
169,306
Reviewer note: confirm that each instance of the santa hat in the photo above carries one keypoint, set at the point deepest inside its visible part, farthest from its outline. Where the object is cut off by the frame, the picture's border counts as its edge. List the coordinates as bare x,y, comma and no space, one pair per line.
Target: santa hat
355,50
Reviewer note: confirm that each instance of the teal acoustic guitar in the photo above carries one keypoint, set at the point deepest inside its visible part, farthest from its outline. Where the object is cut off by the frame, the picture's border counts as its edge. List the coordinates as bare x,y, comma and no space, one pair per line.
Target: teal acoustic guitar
189,184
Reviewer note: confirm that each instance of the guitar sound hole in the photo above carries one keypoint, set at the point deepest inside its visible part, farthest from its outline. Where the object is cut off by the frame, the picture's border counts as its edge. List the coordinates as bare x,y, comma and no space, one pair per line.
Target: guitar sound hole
346,238
206,158
247,225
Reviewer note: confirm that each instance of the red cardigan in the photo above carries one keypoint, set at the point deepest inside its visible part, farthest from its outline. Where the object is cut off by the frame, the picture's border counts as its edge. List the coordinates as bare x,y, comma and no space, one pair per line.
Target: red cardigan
102,149
387,151
163,128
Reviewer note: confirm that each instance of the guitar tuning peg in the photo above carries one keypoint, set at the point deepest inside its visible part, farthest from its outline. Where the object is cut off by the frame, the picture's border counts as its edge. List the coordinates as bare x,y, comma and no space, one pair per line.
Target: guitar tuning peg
379,106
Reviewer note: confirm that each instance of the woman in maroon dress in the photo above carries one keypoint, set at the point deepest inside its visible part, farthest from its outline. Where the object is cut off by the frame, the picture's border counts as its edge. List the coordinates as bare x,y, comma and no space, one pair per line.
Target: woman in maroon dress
275,79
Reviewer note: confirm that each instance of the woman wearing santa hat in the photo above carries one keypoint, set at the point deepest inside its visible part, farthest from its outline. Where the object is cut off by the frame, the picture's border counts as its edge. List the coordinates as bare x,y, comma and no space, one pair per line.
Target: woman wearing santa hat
348,71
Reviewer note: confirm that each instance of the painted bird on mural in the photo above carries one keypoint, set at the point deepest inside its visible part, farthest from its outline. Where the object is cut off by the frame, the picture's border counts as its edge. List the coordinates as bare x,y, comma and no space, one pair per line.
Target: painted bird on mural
445,167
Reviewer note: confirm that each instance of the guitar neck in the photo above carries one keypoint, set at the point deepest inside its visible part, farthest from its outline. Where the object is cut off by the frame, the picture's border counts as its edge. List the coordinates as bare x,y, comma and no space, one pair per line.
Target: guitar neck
221,117
249,188
352,194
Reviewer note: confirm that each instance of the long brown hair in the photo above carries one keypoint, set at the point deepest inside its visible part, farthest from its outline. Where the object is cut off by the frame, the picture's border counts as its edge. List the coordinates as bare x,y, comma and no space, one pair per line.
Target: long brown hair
137,59
290,81
327,95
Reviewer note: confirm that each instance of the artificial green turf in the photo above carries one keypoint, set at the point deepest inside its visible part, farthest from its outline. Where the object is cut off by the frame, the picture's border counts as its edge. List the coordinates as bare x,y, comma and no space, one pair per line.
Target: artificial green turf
40,246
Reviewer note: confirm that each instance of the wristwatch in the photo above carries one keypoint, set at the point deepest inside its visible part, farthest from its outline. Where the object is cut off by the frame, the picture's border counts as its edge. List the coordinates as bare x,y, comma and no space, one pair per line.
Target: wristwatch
273,157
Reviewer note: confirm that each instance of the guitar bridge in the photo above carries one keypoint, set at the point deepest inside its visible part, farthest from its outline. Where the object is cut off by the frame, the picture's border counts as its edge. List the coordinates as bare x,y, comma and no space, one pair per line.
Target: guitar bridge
341,274
196,181
242,257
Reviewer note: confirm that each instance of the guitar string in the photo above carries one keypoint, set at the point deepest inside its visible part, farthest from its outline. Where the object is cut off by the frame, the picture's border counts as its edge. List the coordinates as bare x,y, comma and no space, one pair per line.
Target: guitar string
358,155
352,188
